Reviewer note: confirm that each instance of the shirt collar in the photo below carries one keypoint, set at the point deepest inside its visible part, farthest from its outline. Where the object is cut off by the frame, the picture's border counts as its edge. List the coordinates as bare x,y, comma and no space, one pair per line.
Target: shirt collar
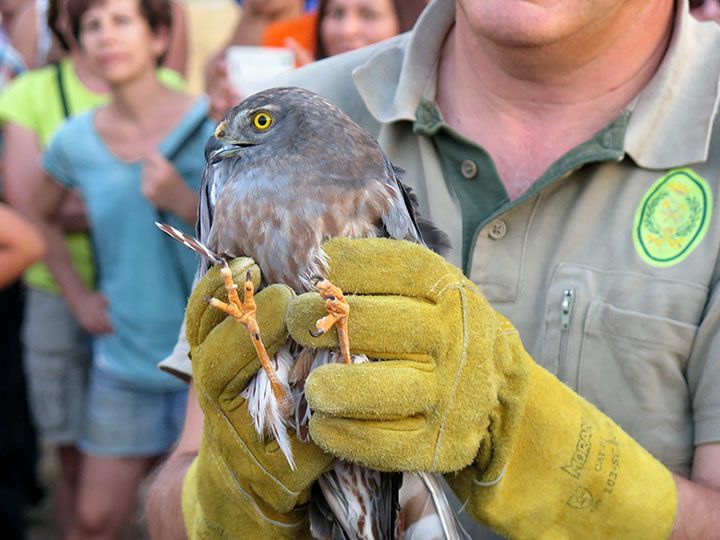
392,82
672,117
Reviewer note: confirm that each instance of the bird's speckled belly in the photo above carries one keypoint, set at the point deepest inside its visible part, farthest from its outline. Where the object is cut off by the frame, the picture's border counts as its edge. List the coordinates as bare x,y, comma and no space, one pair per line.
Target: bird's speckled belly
284,234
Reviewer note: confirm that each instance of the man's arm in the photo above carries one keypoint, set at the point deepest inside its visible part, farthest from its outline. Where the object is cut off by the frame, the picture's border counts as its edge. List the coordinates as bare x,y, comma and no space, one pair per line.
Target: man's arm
163,505
699,498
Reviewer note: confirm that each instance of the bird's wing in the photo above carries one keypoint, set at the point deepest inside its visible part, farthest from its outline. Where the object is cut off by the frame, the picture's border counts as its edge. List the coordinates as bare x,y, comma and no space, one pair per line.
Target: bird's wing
403,220
214,178
205,206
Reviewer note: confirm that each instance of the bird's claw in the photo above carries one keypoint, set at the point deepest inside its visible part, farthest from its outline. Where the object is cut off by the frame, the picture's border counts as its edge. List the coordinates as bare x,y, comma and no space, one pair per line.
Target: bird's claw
244,311
338,311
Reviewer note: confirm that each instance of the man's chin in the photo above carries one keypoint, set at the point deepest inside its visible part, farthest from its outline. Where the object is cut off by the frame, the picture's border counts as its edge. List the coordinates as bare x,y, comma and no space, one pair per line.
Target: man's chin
523,23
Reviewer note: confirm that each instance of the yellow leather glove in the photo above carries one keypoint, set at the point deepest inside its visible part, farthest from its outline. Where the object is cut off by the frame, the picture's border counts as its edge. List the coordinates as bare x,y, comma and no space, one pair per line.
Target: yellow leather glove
435,400
457,393
239,486
572,473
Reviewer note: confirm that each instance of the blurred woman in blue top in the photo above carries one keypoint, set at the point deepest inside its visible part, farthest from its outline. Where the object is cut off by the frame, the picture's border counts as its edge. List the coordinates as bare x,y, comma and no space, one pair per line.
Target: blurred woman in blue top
134,161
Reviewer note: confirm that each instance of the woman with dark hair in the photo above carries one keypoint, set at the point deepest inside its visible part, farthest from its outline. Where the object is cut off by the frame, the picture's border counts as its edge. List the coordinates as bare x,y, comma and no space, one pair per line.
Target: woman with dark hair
36,37
345,25
134,161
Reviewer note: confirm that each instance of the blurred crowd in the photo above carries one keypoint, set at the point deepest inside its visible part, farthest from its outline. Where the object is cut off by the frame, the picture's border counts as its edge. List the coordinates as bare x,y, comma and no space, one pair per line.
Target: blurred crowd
101,139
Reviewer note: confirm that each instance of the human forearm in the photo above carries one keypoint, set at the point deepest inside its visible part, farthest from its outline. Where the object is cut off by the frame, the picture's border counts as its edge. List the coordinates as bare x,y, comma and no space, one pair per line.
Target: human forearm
20,245
58,258
88,307
698,514
164,499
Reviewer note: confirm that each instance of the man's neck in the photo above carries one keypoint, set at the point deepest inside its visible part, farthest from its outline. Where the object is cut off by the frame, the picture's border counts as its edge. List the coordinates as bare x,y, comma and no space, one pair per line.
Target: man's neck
527,106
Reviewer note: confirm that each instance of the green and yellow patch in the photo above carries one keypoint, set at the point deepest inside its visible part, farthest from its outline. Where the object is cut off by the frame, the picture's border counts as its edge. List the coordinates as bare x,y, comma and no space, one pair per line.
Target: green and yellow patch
672,218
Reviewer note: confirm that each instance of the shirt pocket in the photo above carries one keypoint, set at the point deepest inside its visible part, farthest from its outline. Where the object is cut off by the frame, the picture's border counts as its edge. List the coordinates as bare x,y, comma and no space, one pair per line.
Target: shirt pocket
632,367
622,340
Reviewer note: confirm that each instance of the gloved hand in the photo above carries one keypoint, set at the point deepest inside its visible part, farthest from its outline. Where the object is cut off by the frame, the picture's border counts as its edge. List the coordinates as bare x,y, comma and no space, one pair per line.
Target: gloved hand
456,392
240,486
449,384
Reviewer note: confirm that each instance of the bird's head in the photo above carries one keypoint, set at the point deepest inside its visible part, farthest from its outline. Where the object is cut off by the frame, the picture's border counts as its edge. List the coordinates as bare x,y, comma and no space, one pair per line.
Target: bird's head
277,121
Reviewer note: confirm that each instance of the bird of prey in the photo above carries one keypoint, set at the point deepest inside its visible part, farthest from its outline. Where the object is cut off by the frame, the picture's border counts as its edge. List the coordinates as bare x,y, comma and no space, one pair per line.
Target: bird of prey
286,171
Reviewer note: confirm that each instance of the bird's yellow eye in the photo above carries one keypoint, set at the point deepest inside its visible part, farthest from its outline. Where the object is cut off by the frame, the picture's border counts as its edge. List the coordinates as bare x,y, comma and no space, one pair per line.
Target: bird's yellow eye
262,120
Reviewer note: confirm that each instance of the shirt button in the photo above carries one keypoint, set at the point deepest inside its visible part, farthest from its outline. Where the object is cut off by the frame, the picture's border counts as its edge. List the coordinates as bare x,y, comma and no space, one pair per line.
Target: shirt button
498,230
468,168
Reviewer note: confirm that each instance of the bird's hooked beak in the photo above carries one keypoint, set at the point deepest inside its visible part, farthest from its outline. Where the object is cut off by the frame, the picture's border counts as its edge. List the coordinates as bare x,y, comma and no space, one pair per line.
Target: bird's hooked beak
220,148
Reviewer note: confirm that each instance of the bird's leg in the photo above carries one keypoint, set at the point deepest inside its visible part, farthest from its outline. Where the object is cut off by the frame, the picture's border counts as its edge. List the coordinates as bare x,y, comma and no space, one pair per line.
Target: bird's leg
244,313
338,310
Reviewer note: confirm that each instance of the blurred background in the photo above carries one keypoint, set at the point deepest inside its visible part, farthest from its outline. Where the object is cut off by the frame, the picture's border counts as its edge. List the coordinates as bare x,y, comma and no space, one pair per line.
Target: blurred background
34,469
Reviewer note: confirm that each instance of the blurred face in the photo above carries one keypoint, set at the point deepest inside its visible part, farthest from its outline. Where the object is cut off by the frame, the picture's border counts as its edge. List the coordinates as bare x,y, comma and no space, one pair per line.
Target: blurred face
706,10
118,41
351,24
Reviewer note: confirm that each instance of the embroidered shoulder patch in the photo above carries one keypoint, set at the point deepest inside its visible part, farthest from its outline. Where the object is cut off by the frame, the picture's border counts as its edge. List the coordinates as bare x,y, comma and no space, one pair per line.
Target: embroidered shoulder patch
672,218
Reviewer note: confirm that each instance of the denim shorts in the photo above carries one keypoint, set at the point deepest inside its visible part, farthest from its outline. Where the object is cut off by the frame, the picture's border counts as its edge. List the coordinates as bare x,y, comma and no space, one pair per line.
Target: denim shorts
122,420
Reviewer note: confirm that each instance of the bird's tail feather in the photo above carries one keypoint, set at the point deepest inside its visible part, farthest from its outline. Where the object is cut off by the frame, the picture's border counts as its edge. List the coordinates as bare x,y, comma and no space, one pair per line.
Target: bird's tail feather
191,242
360,503
263,407
363,502
426,512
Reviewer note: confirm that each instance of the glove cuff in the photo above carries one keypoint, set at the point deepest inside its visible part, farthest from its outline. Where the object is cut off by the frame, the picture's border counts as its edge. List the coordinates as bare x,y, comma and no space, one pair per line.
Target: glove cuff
570,472
215,505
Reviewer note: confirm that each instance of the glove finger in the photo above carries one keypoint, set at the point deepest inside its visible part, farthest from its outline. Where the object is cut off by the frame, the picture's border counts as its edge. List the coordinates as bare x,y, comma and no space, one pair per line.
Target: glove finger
200,317
388,445
384,266
379,326
373,390
226,359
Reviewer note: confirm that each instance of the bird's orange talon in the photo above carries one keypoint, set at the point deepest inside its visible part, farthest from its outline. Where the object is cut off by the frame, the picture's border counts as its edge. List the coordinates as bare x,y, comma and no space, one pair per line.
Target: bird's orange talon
338,310
244,311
